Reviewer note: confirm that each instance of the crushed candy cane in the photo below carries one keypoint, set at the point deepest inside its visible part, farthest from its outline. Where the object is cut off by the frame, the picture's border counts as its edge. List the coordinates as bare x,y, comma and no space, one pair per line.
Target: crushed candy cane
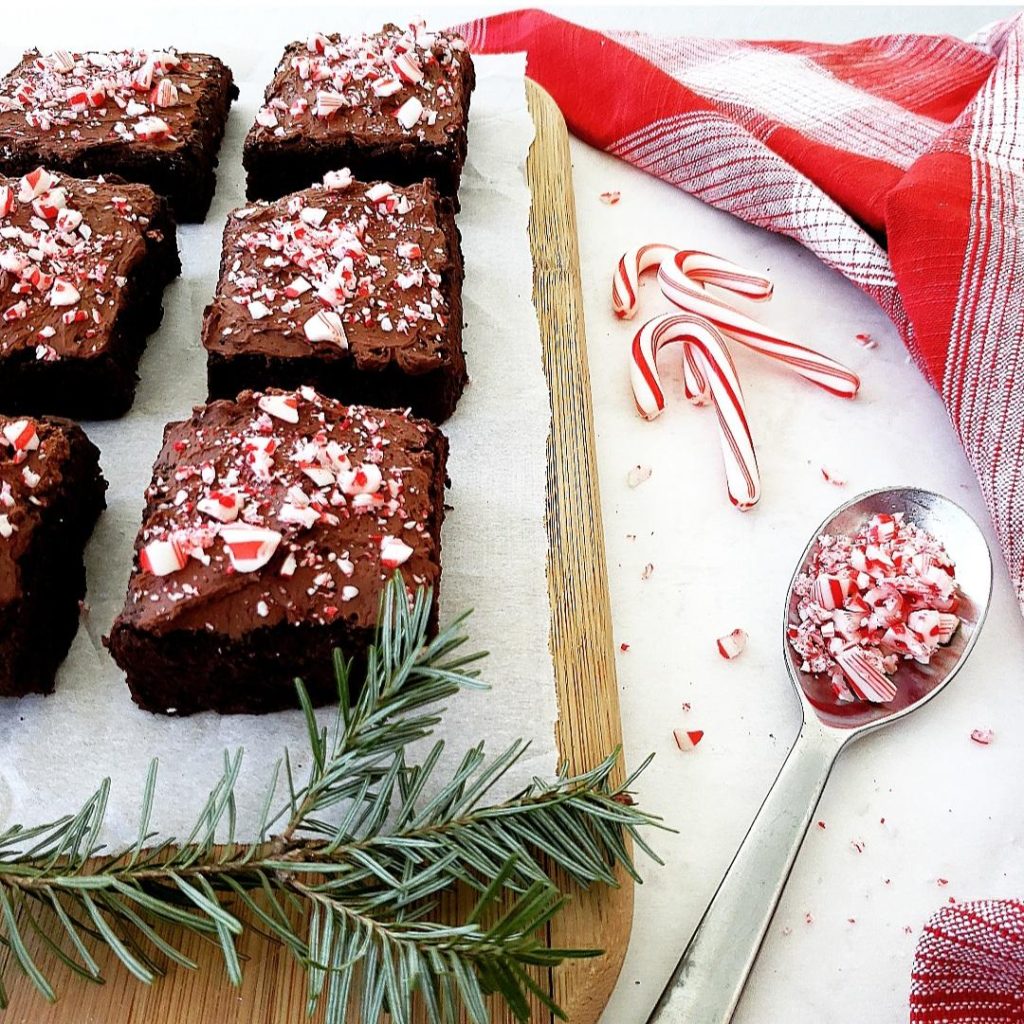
610,198
687,739
867,601
637,475
830,478
982,736
732,644
865,340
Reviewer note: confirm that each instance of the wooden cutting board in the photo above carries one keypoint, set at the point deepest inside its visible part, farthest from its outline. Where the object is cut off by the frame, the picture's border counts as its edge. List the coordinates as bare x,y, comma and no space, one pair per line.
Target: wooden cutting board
273,991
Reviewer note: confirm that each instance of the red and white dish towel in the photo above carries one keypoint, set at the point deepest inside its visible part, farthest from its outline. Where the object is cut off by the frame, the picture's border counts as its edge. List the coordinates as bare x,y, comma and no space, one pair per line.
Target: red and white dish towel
899,161
969,967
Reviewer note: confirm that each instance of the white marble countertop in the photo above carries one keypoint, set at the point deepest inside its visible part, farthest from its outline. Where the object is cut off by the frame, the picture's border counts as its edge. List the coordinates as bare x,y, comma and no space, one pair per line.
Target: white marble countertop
949,805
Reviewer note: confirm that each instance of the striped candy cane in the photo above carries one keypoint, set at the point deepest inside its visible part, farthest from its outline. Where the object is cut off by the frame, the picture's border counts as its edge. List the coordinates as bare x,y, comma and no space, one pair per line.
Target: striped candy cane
712,360
626,281
683,276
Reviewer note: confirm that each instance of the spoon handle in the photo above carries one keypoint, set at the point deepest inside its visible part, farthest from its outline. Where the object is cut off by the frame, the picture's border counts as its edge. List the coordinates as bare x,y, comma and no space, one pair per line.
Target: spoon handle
708,981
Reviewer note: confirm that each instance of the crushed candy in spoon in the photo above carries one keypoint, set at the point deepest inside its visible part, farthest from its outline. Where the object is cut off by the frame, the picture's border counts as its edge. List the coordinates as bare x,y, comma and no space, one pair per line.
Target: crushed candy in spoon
867,601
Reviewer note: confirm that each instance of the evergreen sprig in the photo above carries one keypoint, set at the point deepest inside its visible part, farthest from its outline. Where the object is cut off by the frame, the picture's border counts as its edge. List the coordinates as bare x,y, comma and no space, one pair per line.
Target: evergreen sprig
347,872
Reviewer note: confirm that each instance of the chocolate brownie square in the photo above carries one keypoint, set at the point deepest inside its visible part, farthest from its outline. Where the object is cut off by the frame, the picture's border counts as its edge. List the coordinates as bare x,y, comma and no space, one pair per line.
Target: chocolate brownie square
83,265
355,289
271,527
391,105
150,116
51,494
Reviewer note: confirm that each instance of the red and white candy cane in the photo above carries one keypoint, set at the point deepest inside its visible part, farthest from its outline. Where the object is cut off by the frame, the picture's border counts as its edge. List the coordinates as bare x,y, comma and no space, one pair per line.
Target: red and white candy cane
712,359
626,282
683,276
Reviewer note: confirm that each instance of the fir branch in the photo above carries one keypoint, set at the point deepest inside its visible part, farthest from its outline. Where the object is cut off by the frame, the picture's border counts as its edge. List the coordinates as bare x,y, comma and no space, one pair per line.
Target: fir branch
346,871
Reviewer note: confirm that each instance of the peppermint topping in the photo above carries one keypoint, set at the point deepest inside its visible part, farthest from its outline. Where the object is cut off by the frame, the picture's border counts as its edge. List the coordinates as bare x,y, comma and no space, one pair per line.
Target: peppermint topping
21,465
868,601
58,243
68,93
316,263
404,76
300,494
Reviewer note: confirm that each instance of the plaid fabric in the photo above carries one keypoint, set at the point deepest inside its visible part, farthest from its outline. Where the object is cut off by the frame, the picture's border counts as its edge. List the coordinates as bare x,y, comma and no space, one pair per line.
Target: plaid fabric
969,967
898,161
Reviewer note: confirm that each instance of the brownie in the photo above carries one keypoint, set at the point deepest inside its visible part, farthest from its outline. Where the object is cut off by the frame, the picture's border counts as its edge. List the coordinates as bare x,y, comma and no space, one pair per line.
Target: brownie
51,494
355,289
150,116
270,528
83,265
392,105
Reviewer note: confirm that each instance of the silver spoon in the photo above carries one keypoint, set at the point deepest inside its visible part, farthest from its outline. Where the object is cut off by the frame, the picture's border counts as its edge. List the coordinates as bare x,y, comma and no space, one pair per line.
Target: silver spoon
709,979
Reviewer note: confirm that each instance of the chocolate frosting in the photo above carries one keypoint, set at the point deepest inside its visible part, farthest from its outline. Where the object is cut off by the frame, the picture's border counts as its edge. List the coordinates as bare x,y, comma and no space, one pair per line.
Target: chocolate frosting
384,267
30,479
322,471
38,110
95,257
350,66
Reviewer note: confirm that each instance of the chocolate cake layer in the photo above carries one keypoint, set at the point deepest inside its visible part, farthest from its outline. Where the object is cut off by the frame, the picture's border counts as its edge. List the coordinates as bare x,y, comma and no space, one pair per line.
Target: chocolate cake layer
51,493
83,265
150,116
355,289
392,105
270,528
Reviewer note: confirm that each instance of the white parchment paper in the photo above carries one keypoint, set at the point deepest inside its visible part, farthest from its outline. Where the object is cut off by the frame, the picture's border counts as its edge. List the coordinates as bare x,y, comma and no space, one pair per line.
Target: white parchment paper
55,750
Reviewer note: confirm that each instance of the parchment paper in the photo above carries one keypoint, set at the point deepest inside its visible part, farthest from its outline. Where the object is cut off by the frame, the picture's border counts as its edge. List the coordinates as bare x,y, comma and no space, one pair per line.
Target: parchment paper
55,750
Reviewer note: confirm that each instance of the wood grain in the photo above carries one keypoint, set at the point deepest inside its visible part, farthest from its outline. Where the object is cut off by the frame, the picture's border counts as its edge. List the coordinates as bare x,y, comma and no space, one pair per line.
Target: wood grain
273,991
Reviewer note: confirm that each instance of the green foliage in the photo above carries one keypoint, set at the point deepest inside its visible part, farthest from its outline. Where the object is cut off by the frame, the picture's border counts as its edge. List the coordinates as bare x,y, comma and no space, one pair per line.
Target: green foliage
347,872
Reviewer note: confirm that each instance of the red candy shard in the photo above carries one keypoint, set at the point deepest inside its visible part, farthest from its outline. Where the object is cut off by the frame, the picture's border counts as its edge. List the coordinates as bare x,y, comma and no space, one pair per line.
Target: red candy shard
687,739
732,644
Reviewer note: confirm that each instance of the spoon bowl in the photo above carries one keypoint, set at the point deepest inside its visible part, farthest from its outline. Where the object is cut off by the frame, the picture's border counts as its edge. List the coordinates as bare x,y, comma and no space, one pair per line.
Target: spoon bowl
709,978
915,683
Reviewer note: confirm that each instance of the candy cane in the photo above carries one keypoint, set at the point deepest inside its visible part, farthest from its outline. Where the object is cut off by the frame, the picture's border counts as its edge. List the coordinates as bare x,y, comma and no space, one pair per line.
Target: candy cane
683,275
626,282
712,359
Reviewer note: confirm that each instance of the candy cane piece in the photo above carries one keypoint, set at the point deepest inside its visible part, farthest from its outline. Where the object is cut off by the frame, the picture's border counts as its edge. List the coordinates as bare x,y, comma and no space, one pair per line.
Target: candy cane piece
683,276
717,369
626,280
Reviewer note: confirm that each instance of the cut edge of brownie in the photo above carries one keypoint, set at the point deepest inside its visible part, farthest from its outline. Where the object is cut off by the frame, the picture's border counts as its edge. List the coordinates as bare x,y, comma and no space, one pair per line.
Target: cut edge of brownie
101,386
433,395
37,629
275,167
233,670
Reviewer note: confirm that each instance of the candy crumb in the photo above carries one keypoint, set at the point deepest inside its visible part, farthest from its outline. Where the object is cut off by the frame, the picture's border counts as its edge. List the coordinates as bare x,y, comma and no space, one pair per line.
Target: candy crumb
940,882
865,340
687,739
982,736
732,644
821,825
610,198
831,478
647,571
637,475
623,647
